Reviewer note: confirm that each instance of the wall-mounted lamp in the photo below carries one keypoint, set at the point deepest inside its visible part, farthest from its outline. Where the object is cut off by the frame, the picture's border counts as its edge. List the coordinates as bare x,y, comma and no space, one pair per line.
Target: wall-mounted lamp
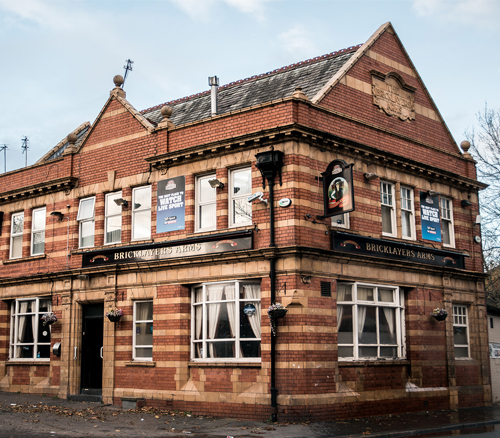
216,184
478,220
121,202
433,193
370,176
58,214
465,203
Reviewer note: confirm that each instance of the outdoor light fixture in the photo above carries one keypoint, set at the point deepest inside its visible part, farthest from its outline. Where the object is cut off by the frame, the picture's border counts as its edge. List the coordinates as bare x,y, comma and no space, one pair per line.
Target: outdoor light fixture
216,184
370,176
433,193
465,203
58,214
121,202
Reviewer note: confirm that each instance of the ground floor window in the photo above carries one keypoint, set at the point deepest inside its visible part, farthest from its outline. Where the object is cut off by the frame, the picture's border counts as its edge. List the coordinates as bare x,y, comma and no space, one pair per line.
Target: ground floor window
143,330
370,321
226,321
460,331
29,338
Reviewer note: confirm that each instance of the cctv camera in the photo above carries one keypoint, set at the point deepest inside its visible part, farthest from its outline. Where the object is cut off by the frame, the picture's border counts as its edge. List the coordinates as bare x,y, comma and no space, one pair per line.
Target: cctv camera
255,196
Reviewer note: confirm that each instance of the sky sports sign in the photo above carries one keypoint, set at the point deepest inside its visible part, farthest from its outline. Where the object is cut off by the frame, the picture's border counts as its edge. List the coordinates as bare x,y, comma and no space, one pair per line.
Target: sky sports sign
430,216
171,205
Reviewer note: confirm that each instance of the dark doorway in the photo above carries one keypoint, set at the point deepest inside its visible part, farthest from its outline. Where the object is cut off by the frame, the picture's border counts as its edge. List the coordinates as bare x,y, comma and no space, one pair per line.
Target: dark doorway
92,326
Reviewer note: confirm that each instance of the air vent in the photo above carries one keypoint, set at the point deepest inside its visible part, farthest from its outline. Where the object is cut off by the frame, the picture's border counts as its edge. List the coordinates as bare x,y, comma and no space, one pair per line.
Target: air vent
326,289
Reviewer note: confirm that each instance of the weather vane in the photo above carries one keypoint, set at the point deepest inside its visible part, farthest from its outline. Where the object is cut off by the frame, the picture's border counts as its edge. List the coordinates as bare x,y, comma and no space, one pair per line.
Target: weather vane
25,148
127,68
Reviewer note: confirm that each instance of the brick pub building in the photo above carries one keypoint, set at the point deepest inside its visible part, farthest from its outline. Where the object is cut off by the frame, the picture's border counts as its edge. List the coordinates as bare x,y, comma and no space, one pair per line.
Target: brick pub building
194,216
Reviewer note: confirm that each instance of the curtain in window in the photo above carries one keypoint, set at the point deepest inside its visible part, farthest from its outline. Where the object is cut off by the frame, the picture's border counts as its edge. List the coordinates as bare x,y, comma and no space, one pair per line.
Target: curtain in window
389,316
252,291
229,289
142,311
199,314
23,306
340,307
361,320
214,294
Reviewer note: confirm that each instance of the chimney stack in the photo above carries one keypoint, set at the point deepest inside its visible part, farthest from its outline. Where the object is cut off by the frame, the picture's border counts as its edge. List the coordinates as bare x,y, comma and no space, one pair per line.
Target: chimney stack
213,81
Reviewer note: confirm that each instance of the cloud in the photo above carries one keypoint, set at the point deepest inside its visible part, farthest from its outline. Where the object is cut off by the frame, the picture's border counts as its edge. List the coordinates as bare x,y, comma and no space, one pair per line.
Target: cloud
297,41
37,11
480,13
202,9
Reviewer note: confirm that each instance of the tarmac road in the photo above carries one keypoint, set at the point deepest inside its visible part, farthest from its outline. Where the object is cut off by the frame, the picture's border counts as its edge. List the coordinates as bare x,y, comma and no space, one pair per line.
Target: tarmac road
27,415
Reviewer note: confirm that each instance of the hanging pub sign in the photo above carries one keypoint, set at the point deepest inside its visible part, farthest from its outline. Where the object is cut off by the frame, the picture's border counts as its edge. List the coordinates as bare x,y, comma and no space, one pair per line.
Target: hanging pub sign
429,213
170,215
338,190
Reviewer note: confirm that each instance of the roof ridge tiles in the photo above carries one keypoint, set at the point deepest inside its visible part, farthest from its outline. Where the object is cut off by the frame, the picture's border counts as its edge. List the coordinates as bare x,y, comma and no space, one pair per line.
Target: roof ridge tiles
255,77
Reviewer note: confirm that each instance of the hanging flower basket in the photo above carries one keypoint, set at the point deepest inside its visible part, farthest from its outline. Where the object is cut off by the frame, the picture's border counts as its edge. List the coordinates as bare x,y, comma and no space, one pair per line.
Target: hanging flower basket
439,314
114,314
275,312
49,318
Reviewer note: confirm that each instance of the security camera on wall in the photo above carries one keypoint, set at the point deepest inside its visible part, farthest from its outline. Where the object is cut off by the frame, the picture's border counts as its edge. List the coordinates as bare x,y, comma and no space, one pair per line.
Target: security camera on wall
257,196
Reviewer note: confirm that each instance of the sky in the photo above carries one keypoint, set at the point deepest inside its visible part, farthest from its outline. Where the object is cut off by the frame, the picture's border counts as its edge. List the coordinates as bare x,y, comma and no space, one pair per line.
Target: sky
58,57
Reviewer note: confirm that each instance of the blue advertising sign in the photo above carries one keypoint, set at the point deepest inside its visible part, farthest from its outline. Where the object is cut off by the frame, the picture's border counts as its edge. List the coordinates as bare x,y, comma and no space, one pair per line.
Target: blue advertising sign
171,205
431,219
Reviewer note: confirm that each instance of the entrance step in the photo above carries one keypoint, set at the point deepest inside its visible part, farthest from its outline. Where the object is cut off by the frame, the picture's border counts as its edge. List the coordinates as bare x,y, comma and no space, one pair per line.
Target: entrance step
85,398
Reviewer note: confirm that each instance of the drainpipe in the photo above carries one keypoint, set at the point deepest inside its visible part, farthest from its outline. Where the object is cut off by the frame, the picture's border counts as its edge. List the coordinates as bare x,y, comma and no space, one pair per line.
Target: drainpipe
269,163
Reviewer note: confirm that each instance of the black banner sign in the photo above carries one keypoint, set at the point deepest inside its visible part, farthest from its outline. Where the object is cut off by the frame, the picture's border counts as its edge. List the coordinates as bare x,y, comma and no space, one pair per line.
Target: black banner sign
338,190
167,250
350,243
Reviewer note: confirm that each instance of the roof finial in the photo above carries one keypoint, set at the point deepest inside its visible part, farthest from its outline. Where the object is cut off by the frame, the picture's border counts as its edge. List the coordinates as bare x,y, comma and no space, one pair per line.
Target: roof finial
118,91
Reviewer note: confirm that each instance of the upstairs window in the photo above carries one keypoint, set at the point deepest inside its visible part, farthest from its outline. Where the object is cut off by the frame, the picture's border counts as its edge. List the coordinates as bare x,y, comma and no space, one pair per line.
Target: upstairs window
30,339
16,235
38,231
407,213
388,210
240,210
447,229
141,213
113,219
206,202
370,321
86,222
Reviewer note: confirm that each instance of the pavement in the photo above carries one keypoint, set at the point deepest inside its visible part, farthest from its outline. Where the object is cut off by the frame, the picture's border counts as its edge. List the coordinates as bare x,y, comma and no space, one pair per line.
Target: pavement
37,416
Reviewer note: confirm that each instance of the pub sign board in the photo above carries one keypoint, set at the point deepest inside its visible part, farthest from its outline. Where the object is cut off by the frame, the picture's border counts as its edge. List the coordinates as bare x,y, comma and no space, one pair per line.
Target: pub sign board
338,190
170,213
168,250
430,216
368,246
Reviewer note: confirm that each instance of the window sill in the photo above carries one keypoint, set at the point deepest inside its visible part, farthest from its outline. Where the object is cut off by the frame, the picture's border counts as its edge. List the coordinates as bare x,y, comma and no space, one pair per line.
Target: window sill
141,363
24,259
29,362
374,362
192,364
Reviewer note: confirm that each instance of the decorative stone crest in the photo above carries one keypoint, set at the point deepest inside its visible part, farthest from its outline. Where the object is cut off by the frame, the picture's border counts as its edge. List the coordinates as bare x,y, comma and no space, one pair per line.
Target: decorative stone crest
392,95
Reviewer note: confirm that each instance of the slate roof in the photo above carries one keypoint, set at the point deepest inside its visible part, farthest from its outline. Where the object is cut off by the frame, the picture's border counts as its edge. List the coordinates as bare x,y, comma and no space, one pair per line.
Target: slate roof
310,75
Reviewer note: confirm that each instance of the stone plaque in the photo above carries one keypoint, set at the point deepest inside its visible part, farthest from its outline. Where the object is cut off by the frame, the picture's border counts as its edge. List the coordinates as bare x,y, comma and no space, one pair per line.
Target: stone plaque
393,96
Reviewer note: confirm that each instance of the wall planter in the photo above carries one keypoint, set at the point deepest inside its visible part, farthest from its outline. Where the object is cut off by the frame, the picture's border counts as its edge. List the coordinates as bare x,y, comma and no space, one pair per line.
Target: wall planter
439,314
275,312
114,314
49,318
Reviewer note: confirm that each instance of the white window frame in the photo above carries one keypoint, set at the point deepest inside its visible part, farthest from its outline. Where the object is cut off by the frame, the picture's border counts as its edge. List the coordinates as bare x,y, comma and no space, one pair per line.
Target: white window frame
446,210
110,198
199,203
36,318
398,306
385,197
40,231
204,341
340,220
138,210
240,196
461,321
141,321
16,238
85,221
409,210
